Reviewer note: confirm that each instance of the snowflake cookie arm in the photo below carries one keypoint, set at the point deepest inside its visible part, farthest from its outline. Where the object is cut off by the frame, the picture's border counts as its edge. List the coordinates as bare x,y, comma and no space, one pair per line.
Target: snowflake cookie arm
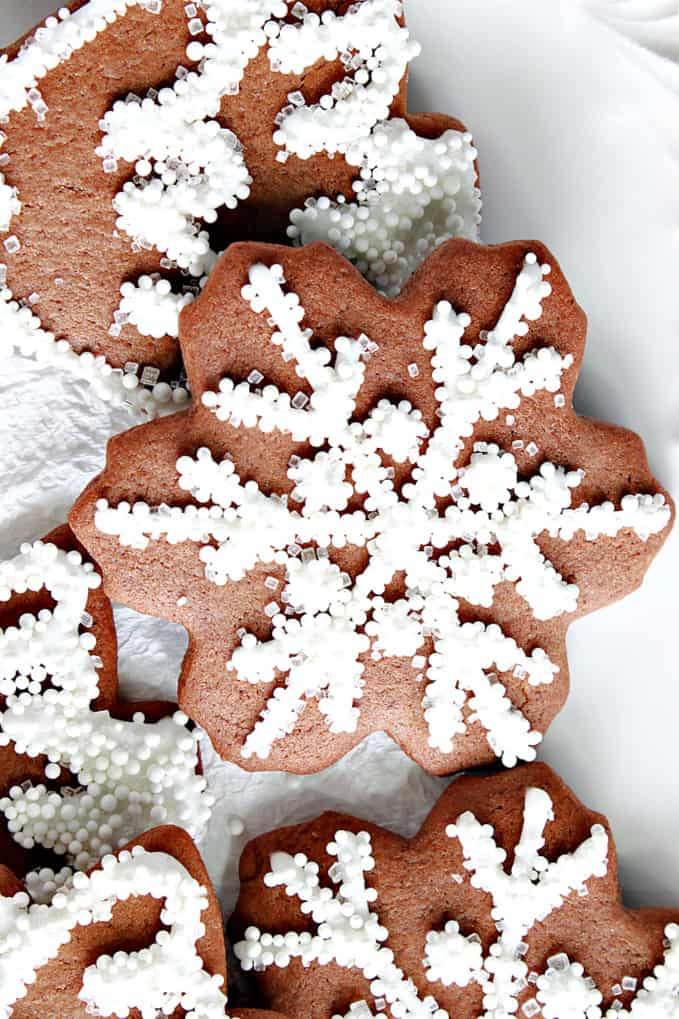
532,890
334,387
318,657
458,673
544,884
475,384
348,930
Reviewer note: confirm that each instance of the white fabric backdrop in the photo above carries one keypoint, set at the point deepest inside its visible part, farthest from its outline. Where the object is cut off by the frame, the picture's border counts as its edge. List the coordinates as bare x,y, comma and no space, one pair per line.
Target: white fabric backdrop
575,109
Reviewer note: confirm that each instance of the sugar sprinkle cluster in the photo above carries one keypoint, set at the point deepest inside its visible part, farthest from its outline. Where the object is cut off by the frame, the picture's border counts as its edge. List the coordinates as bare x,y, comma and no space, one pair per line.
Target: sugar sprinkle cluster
22,331
412,194
151,306
129,776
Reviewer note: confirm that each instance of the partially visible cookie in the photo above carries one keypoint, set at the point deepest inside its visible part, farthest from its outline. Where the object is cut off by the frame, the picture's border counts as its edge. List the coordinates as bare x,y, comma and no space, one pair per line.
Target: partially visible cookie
141,935
506,903
121,179
378,515
81,771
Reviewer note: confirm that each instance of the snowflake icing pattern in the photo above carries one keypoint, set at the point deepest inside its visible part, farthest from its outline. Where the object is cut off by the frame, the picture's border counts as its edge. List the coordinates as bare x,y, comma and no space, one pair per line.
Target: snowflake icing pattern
349,934
485,533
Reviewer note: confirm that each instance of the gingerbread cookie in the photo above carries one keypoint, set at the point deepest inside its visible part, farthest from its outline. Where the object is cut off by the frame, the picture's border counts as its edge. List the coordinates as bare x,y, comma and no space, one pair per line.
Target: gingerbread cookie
140,936
379,515
506,903
81,772
121,179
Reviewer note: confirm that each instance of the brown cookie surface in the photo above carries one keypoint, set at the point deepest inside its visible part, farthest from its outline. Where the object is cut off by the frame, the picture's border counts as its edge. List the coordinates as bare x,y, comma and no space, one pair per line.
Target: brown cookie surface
64,248
21,767
443,877
224,338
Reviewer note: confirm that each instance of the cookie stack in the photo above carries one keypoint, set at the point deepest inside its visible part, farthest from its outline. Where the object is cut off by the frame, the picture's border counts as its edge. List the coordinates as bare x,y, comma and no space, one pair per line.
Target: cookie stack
362,489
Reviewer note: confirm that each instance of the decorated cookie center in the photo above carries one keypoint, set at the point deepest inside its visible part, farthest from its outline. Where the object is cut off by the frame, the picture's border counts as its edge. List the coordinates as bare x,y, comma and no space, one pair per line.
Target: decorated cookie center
131,775
456,532
155,980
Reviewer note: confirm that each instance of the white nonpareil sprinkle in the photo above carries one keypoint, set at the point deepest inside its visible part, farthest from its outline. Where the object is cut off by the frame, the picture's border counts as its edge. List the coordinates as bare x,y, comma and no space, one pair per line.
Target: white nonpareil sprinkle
129,776
238,526
413,194
155,980
236,826
349,934
151,307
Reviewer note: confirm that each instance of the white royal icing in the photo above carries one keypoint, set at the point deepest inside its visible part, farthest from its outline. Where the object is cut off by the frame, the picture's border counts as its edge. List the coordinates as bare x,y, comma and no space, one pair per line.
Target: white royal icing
488,506
348,931
186,175
187,165
156,980
130,776
527,894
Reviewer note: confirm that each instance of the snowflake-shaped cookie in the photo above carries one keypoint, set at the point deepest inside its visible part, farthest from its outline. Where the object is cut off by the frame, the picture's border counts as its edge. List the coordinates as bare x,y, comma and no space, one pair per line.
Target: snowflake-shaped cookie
248,117
506,903
81,772
140,935
379,515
